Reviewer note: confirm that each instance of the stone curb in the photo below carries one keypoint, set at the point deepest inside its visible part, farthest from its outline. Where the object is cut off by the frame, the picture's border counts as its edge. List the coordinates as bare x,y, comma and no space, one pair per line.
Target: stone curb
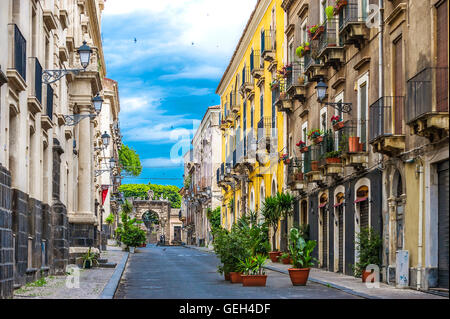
111,287
328,284
195,248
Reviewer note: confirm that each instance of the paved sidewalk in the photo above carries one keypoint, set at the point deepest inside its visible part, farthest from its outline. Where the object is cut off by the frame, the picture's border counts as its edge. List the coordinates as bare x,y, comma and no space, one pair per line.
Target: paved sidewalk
92,282
348,284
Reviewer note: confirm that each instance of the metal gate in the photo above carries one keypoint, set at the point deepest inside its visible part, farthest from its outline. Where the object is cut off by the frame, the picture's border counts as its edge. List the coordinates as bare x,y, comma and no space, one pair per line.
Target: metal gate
324,238
341,238
443,191
364,213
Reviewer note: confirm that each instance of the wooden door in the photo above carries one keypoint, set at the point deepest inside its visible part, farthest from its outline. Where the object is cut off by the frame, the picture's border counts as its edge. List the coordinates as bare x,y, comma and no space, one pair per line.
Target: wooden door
442,58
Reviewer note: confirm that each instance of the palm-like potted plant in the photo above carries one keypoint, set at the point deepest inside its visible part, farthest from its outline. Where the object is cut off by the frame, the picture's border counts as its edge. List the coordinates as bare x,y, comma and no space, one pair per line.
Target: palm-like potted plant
272,213
253,273
368,245
285,258
90,259
300,251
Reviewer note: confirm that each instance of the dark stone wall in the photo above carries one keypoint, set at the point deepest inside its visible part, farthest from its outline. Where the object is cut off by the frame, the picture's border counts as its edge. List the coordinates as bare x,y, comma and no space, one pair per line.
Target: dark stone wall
6,236
59,243
20,229
313,221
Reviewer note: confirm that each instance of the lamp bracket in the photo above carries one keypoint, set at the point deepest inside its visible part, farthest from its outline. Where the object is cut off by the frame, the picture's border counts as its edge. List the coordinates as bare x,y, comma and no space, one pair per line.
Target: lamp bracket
344,107
51,76
74,119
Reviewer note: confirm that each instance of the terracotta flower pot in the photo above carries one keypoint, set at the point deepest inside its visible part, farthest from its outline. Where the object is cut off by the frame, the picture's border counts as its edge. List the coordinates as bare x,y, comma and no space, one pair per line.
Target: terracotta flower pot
299,176
366,274
254,280
353,144
286,261
273,255
333,160
314,165
235,277
338,125
318,140
299,276
360,147
339,7
304,149
227,276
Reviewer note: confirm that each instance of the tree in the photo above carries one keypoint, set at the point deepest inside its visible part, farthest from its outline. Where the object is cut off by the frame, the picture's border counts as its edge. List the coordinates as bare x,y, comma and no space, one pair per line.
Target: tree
214,218
272,213
141,191
129,161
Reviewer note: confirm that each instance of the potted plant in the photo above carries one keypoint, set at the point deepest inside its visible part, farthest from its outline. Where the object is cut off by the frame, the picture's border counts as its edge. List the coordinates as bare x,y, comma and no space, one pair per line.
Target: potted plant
368,245
89,259
315,31
332,157
285,258
285,158
338,5
274,84
303,49
300,251
221,246
272,213
302,146
337,122
329,11
353,144
253,271
315,135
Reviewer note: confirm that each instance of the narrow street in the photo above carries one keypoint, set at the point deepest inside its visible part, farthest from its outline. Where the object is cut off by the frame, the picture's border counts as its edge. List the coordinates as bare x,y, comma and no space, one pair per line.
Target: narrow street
183,273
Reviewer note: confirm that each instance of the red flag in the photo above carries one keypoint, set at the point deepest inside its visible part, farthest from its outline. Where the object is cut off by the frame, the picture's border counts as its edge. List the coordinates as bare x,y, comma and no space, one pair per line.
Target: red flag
104,193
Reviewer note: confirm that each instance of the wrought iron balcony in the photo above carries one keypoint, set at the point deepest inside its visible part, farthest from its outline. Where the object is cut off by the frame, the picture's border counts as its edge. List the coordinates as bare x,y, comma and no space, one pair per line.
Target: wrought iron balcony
268,44
352,24
295,173
352,143
246,80
256,64
427,103
295,83
386,125
47,118
35,98
331,50
311,164
16,73
313,68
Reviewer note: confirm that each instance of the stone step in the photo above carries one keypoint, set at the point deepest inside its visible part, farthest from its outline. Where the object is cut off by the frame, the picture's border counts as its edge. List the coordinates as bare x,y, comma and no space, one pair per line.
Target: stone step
107,265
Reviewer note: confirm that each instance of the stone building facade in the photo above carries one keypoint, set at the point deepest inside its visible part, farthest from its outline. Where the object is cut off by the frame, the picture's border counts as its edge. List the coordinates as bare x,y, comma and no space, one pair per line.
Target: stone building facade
203,192
50,200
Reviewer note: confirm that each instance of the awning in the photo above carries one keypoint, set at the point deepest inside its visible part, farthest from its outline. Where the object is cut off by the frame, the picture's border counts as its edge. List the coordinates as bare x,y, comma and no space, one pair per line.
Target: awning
362,199
338,204
322,205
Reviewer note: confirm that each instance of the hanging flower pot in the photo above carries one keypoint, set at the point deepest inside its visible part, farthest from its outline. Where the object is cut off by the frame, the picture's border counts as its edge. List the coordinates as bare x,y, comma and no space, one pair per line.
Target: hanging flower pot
333,160
340,4
304,149
318,140
338,125
299,176
315,165
319,31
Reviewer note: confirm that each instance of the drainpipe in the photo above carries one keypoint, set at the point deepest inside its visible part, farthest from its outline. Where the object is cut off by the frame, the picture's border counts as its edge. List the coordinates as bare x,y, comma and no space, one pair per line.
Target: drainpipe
419,244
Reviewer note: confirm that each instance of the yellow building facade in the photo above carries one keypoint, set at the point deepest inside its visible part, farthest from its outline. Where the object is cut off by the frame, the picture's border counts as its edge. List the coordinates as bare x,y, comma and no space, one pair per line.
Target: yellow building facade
252,128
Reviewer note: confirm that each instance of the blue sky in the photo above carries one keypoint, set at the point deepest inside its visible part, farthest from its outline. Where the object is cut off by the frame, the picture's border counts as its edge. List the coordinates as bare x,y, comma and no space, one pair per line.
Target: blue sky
168,76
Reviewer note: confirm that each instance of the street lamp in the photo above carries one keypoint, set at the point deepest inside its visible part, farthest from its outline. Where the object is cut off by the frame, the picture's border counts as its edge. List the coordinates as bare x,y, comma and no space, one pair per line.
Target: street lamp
74,119
51,76
321,90
105,139
112,163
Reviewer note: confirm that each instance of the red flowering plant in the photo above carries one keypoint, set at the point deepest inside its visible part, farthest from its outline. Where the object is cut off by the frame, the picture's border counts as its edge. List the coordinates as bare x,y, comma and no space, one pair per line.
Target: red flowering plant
335,119
285,158
285,70
301,144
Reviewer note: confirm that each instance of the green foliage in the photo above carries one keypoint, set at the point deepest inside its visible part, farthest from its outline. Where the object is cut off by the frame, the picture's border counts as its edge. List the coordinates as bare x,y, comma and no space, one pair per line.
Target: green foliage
110,219
300,250
187,181
253,265
129,160
214,218
332,154
368,245
329,11
129,232
90,258
141,191
285,203
284,256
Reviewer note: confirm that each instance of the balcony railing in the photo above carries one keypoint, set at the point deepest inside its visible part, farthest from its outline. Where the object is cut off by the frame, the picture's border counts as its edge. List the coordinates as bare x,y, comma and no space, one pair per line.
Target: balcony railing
312,155
308,61
255,60
326,146
329,37
292,77
49,102
351,13
349,138
20,52
264,127
268,40
245,76
295,170
37,87
382,119
420,93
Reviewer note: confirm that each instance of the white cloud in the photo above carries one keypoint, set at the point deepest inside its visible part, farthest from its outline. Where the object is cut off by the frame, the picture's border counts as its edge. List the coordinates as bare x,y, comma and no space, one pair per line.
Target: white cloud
161,161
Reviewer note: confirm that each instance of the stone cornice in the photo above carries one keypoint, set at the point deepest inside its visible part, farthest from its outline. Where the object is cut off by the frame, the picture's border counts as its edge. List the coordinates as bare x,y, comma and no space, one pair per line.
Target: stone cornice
96,32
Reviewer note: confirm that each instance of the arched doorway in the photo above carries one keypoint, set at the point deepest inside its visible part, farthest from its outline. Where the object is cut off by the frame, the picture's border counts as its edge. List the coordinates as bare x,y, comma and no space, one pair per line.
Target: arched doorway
151,219
323,230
